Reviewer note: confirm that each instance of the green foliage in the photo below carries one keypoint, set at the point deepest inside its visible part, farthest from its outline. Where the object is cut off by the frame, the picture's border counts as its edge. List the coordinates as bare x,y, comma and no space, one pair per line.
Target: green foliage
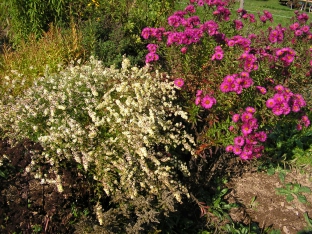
114,28
285,142
292,189
32,17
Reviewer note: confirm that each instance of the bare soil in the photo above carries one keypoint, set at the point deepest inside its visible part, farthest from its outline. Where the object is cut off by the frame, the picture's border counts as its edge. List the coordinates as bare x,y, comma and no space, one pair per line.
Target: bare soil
256,192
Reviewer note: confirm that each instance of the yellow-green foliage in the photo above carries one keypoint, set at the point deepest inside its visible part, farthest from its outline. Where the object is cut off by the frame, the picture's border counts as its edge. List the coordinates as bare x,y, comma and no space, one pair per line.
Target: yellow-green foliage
29,61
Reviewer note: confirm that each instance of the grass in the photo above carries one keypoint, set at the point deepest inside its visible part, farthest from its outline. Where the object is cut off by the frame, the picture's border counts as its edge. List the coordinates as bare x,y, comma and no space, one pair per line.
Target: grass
282,14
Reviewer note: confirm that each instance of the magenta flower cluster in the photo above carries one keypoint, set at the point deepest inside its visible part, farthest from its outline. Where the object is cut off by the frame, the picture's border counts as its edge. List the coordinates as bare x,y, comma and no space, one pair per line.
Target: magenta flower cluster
246,16
286,55
276,35
250,52
236,83
206,101
284,101
267,16
151,56
303,121
240,41
299,30
238,24
218,54
248,145
152,33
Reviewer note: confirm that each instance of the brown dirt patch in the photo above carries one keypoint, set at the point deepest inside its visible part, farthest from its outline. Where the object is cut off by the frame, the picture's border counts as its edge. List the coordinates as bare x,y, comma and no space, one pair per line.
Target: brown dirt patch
256,192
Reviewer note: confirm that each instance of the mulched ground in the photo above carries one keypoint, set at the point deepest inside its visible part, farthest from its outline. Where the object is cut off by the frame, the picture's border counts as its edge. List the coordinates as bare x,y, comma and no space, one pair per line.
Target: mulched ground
28,206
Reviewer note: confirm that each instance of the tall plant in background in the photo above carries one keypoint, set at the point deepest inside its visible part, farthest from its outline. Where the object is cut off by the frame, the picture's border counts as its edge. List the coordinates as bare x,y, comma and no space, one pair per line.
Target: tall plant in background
32,17
56,48
114,28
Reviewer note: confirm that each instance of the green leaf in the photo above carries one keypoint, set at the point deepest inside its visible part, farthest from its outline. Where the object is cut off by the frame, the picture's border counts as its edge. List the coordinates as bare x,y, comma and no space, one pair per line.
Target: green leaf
307,219
282,191
302,198
289,198
2,174
296,188
299,144
281,176
271,171
275,232
304,189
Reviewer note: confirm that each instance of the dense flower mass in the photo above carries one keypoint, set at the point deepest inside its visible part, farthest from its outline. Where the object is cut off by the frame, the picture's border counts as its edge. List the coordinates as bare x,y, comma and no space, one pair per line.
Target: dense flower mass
112,119
206,101
236,83
284,101
249,144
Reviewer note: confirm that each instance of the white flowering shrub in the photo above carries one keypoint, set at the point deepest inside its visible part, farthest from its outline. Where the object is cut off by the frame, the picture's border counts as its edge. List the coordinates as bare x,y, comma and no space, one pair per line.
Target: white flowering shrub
122,126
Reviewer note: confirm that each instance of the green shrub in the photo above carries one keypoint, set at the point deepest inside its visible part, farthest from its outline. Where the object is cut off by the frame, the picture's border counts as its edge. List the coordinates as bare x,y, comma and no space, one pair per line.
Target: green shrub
114,28
122,126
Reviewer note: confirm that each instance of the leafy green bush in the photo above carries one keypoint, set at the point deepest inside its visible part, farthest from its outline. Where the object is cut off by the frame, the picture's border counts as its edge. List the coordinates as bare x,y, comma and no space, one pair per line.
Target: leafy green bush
122,126
114,28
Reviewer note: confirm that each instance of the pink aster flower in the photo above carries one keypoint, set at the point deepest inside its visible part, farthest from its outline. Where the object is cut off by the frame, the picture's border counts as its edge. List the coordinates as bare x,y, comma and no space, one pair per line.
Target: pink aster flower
217,56
247,82
295,107
235,118
305,120
231,43
251,140
261,89
298,32
278,98
248,149
183,50
270,103
229,148
246,116
239,141
262,136
197,101
190,9
207,102
178,82
238,24
279,88
237,149
246,129
225,87
253,123
258,149
244,156
146,32
277,110
299,99
250,109
199,93
150,57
